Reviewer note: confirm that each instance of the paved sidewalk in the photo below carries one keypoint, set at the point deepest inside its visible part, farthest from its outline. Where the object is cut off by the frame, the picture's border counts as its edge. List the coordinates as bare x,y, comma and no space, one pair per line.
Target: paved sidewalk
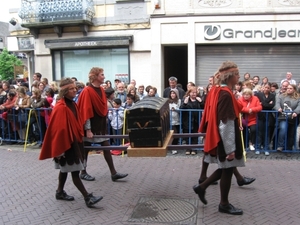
28,189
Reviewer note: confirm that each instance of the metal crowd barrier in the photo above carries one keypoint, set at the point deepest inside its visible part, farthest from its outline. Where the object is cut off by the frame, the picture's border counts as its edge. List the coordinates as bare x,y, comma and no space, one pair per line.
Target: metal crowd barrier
21,126
186,137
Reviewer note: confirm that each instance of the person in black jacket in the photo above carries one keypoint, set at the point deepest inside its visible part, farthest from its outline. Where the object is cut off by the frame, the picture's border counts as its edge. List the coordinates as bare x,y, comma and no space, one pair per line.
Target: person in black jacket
266,120
173,85
190,119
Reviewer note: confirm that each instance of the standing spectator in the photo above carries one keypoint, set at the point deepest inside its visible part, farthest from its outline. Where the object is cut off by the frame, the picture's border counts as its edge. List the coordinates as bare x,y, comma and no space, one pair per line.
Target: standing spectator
255,81
34,85
288,107
264,81
74,79
25,85
36,77
46,83
173,85
174,105
80,86
42,89
152,92
22,102
38,102
190,120
189,85
117,81
6,107
148,88
65,145
6,86
283,88
129,101
274,88
141,93
205,92
104,86
251,106
110,95
133,92
93,107
133,83
54,87
49,97
116,117
247,84
108,83
121,92
3,95
238,90
211,80
289,79
247,76
266,120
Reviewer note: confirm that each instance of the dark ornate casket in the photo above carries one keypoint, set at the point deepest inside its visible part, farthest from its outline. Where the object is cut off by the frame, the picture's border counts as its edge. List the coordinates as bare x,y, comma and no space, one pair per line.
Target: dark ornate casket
148,122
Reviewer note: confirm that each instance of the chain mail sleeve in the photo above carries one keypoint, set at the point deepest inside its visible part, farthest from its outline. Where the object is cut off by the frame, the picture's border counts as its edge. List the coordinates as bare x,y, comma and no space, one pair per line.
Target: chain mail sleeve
227,133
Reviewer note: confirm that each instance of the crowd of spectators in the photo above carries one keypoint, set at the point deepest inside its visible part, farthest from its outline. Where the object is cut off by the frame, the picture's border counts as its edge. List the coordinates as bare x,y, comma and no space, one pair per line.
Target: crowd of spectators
255,94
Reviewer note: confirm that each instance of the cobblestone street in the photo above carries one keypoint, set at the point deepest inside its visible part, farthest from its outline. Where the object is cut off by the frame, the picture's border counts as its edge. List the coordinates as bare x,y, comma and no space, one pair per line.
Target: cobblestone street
28,191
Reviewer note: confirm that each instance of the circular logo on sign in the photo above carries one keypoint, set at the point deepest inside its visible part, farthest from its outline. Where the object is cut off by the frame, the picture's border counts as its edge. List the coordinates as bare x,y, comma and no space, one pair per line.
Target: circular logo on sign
212,32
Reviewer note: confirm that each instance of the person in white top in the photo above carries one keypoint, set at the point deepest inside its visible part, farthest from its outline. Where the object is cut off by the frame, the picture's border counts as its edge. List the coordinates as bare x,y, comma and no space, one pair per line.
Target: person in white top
289,78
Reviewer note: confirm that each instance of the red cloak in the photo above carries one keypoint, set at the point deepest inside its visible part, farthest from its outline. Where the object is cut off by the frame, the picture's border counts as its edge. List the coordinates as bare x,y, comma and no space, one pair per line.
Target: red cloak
63,129
209,123
86,97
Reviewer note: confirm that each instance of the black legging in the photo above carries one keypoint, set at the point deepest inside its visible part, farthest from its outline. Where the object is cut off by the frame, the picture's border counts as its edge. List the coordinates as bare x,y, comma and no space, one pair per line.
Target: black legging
107,157
225,183
62,178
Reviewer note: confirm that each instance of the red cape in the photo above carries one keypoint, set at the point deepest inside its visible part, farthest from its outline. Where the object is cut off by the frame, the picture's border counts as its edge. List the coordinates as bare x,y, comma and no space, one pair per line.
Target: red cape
209,123
63,129
85,103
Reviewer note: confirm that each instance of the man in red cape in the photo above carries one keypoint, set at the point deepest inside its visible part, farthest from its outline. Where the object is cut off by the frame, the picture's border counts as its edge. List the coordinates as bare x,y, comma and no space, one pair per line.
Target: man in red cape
92,104
223,142
63,143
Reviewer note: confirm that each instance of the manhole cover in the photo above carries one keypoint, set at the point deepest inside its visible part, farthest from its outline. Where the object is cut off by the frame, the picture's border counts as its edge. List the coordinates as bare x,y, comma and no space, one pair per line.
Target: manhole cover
162,210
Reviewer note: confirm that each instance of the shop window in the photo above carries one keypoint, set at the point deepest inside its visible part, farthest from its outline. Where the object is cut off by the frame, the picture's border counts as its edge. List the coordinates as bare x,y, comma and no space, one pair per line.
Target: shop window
77,63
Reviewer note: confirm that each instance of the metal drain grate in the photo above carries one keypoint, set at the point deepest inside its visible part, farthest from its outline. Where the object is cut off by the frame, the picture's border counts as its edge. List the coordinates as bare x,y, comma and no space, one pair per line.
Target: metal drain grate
165,210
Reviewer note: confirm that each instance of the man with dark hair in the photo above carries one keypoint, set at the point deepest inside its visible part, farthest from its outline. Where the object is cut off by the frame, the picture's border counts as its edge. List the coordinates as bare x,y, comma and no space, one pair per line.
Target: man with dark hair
46,83
117,81
173,85
37,76
255,80
6,86
129,101
3,95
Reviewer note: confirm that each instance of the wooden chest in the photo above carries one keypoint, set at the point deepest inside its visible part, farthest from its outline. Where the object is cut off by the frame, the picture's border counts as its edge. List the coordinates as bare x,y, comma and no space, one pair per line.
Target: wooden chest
148,122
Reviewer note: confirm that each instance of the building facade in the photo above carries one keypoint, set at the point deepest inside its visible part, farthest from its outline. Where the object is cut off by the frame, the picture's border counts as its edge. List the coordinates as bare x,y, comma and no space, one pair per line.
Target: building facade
150,41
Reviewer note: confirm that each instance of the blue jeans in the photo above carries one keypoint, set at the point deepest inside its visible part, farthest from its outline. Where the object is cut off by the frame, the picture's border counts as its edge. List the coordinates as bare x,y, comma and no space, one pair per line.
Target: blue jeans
286,132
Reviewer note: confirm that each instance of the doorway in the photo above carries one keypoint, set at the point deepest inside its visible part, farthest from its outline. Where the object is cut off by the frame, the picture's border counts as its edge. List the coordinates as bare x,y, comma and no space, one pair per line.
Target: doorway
176,64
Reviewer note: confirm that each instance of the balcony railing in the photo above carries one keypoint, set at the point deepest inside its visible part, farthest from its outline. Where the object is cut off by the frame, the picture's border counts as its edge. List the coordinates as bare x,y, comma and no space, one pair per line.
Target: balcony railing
36,13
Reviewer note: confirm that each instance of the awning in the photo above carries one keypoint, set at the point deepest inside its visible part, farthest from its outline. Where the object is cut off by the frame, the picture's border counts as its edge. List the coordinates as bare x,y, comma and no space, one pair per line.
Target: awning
89,42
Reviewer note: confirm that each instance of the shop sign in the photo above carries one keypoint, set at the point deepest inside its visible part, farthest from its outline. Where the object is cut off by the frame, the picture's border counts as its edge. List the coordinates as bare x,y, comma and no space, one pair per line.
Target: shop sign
221,32
85,43
215,32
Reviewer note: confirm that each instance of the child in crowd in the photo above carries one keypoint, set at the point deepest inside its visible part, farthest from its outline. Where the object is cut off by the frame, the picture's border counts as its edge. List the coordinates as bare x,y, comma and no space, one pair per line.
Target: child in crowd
116,116
174,104
129,101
